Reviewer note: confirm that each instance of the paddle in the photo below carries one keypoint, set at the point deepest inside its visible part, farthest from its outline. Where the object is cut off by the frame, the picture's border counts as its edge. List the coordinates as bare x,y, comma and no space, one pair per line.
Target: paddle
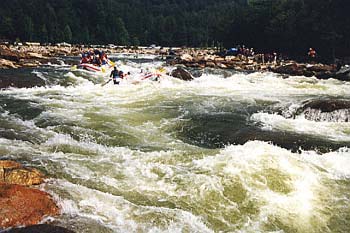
74,68
111,63
104,84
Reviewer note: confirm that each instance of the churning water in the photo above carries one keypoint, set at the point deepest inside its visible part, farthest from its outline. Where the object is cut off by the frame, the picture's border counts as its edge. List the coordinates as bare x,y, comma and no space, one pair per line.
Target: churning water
222,153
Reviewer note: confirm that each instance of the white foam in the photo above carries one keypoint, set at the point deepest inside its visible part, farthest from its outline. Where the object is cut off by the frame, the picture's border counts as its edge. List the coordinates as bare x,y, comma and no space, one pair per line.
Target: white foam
337,131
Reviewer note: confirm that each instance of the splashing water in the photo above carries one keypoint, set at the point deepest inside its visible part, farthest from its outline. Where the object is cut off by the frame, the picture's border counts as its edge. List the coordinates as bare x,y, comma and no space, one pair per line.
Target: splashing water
174,156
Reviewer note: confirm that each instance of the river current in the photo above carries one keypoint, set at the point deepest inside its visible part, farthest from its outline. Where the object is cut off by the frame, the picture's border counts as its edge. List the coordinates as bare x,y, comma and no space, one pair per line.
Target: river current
217,154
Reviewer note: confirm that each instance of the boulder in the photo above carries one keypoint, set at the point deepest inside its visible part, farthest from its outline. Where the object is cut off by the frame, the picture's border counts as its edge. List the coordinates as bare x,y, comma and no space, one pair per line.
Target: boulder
20,81
35,55
222,66
182,74
321,68
24,176
41,228
186,57
9,54
13,173
6,165
343,74
5,64
23,206
327,105
291,69
210,64
326,110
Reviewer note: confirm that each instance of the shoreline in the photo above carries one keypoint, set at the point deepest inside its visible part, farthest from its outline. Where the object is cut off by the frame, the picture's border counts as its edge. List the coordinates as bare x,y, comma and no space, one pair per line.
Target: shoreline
13,57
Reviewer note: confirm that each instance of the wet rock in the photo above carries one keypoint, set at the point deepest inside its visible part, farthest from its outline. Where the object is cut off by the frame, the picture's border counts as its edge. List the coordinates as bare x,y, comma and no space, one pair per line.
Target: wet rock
23,206
13,173
24,176
290,69
182,74
327,105
27,81
7,165
343,74
42,228
326,110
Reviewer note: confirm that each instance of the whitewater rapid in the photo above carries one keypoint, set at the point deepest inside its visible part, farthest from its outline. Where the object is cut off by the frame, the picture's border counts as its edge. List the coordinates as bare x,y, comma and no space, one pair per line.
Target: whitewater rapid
217,154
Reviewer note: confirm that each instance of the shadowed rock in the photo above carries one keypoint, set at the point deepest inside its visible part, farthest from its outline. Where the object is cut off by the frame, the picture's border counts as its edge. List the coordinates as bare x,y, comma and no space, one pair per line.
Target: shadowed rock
42,228
326,110
21,81
182,74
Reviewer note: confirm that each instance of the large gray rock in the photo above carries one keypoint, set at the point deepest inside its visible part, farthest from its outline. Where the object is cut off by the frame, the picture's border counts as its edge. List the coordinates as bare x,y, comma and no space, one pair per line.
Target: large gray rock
20,79
182,74
343,74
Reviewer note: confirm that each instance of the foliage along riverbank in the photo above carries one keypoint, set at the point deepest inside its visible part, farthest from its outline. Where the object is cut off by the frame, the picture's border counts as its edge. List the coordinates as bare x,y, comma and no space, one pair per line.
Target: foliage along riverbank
289,27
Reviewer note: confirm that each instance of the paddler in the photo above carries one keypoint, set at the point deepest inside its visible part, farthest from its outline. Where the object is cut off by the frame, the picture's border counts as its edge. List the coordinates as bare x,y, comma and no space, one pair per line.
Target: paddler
116,76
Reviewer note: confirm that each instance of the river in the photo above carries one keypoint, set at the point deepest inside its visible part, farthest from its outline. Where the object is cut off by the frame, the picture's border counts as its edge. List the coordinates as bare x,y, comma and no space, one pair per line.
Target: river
222,153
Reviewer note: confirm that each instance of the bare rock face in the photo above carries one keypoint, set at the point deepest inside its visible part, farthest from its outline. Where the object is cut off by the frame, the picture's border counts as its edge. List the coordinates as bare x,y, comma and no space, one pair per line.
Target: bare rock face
5,64
186,57
182,74
8,54
22,206
13,173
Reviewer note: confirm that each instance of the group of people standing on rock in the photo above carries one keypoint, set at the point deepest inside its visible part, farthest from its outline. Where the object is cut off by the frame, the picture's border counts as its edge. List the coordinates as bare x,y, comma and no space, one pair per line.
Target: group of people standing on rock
95,57
274,57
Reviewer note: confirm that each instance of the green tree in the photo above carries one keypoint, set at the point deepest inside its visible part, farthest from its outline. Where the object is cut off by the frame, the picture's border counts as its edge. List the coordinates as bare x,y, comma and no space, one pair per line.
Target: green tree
135,41
67,34
44,37
28,28
122,33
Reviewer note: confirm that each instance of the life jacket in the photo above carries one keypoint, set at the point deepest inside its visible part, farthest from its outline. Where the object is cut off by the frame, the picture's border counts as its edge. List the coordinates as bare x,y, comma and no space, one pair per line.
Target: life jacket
115,74
85,60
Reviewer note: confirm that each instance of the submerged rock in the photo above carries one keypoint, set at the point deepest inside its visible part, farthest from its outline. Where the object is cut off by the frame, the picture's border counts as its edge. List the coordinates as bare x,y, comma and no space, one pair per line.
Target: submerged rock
182,74
23,206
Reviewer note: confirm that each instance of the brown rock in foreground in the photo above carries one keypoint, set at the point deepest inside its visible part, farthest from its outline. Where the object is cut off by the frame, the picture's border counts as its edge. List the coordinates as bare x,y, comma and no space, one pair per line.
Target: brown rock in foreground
24,206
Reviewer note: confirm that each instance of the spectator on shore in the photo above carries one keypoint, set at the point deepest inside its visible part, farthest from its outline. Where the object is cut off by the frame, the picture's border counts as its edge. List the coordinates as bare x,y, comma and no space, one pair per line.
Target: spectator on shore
312,54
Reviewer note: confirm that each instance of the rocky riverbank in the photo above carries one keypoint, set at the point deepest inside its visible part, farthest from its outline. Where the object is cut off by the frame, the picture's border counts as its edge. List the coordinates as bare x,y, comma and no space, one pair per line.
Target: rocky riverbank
12,57
202,59
33,56
21,203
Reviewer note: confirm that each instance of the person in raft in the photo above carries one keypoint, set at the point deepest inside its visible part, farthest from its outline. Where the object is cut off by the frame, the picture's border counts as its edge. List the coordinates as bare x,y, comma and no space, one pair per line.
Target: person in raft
116,75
